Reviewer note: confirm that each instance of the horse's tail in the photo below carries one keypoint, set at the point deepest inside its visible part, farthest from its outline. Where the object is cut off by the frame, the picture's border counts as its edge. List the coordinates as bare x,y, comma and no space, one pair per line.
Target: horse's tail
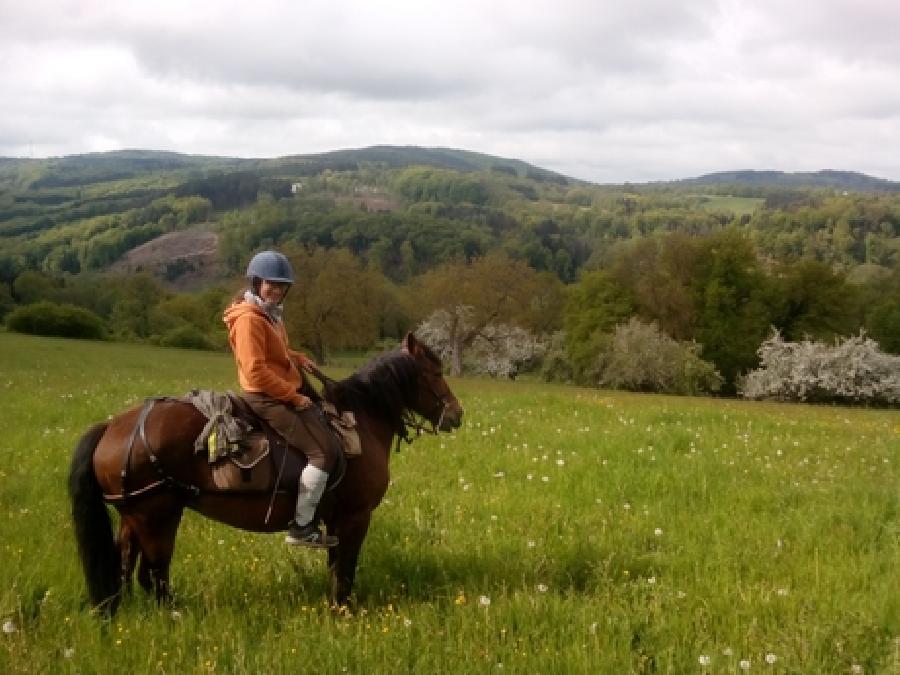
93,528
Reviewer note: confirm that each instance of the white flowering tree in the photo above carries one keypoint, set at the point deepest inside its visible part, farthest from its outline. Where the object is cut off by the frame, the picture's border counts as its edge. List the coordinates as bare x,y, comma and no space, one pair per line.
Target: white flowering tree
852,370
497,350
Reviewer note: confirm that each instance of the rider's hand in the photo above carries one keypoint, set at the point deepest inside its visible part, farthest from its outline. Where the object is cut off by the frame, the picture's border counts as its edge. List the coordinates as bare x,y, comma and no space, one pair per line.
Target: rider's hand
304,403
307,363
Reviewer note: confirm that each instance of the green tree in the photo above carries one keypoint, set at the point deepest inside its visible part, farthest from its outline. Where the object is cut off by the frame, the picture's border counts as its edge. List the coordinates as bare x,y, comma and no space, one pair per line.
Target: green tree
814,302
595,305
733,304
336,303
882,316
31,286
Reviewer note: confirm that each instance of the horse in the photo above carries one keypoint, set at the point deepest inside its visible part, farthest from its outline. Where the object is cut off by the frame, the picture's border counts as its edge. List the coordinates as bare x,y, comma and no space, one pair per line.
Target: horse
143,462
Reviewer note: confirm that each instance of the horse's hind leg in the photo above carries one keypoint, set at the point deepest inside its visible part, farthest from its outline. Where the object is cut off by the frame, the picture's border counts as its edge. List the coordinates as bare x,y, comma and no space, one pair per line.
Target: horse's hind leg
129,549
156,529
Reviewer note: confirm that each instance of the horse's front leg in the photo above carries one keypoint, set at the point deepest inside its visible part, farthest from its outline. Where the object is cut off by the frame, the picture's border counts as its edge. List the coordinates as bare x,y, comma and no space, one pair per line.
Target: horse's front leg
351,531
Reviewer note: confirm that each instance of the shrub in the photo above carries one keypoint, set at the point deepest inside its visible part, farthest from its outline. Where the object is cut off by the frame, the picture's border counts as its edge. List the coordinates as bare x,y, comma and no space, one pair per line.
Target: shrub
641,357
853,370
49,318
186,337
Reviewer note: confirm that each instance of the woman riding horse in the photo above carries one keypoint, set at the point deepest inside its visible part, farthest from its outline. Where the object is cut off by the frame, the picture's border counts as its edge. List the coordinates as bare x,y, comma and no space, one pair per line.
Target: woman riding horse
143,462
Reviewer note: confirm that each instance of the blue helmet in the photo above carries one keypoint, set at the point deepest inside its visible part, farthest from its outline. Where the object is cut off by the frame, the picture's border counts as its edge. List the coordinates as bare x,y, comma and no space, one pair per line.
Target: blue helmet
271,266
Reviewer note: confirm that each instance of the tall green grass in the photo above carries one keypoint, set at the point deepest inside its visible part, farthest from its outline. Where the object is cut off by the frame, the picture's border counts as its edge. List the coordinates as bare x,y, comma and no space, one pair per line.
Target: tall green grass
561,530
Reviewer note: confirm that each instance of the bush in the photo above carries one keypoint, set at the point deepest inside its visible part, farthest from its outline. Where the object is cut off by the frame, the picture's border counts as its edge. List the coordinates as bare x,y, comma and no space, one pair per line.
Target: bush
49,318
853,370
186,337
640,357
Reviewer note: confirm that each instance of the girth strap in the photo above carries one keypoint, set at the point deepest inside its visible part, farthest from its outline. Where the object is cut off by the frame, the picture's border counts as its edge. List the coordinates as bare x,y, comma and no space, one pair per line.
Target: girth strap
165,479
139,430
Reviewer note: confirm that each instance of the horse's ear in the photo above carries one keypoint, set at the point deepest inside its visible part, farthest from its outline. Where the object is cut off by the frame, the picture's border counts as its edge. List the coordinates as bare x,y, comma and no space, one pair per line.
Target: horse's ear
409,343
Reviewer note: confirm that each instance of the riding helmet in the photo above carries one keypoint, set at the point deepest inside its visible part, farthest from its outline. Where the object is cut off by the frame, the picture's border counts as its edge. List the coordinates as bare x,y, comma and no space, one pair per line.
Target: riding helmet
271,266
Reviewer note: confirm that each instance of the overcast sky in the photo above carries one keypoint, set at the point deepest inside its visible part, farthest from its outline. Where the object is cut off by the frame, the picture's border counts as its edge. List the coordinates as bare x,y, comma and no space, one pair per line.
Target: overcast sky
601,90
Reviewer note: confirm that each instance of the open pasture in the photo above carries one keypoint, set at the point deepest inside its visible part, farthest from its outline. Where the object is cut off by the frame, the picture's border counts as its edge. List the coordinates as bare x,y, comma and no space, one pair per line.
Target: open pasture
560,530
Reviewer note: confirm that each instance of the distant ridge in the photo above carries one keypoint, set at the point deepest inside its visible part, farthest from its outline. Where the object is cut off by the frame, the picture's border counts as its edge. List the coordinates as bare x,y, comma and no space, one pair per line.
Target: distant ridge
839,180
87,168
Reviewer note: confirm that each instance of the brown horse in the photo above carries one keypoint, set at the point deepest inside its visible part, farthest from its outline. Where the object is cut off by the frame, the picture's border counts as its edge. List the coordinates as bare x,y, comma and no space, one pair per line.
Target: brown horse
143,461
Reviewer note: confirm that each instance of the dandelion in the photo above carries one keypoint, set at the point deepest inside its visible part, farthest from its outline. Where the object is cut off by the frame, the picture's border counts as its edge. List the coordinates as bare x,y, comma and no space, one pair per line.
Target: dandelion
856,669
542,588
484,601
407,622
727,651
651,580
68,652
771,659
627,506
704,660
531,543
176,614
744,664
658,531
782,592
9,627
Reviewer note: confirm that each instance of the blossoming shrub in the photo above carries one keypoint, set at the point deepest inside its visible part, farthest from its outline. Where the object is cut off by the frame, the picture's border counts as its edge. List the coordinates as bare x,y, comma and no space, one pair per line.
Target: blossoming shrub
853,370
499,350
641,357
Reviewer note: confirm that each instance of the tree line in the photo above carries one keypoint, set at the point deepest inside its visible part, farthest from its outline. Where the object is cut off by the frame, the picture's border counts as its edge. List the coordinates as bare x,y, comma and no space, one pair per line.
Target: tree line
699,273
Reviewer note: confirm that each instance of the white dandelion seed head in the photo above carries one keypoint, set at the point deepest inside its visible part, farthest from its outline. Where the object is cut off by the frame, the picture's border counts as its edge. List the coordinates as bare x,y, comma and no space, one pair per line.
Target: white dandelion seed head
658,531
9,627
704,660
744,664
407,622
771,658
727,651
856,669
484,601
176,614
68,652
542,588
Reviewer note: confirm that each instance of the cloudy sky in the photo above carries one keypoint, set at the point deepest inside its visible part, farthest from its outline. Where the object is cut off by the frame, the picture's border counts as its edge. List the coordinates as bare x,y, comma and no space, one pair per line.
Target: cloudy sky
603,90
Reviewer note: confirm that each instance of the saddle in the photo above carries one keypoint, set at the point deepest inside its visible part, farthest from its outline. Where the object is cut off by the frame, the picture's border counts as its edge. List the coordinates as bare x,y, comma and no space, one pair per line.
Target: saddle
246,454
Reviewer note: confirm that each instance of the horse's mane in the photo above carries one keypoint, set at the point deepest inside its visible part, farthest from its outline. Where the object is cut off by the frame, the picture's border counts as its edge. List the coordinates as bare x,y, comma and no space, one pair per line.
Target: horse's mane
385,387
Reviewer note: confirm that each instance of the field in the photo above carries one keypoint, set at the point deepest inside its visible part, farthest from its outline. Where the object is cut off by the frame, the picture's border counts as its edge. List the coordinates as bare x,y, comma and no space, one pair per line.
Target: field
561,530
737,205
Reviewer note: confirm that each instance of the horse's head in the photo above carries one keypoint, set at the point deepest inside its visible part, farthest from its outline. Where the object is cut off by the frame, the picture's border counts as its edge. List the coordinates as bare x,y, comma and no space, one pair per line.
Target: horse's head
434,400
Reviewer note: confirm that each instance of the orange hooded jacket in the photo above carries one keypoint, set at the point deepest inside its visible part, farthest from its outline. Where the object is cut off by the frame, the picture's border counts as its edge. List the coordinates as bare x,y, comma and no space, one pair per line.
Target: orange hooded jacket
265,362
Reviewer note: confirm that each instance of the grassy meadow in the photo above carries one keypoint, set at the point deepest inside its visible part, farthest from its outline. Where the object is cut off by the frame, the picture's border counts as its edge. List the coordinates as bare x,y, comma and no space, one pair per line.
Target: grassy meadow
560,530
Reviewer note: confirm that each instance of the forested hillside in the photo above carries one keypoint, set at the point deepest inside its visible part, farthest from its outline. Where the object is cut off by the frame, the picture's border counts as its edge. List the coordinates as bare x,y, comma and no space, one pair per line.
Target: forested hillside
716,260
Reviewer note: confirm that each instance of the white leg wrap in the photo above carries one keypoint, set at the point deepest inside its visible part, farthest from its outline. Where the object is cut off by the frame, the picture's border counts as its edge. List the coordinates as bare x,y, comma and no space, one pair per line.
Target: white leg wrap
309,492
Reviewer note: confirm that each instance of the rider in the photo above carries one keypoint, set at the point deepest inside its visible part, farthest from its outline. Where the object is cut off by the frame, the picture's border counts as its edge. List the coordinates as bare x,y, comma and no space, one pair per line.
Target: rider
269,374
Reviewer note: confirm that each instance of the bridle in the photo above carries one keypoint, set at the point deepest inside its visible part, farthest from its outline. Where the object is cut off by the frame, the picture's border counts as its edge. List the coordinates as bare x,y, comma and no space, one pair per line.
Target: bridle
412,420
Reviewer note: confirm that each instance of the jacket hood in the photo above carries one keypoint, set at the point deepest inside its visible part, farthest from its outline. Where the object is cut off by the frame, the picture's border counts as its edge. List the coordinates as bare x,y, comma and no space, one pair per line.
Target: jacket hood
238,309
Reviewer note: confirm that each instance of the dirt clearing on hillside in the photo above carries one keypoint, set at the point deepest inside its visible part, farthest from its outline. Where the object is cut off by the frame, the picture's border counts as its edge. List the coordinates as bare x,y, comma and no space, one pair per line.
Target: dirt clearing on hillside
184,260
